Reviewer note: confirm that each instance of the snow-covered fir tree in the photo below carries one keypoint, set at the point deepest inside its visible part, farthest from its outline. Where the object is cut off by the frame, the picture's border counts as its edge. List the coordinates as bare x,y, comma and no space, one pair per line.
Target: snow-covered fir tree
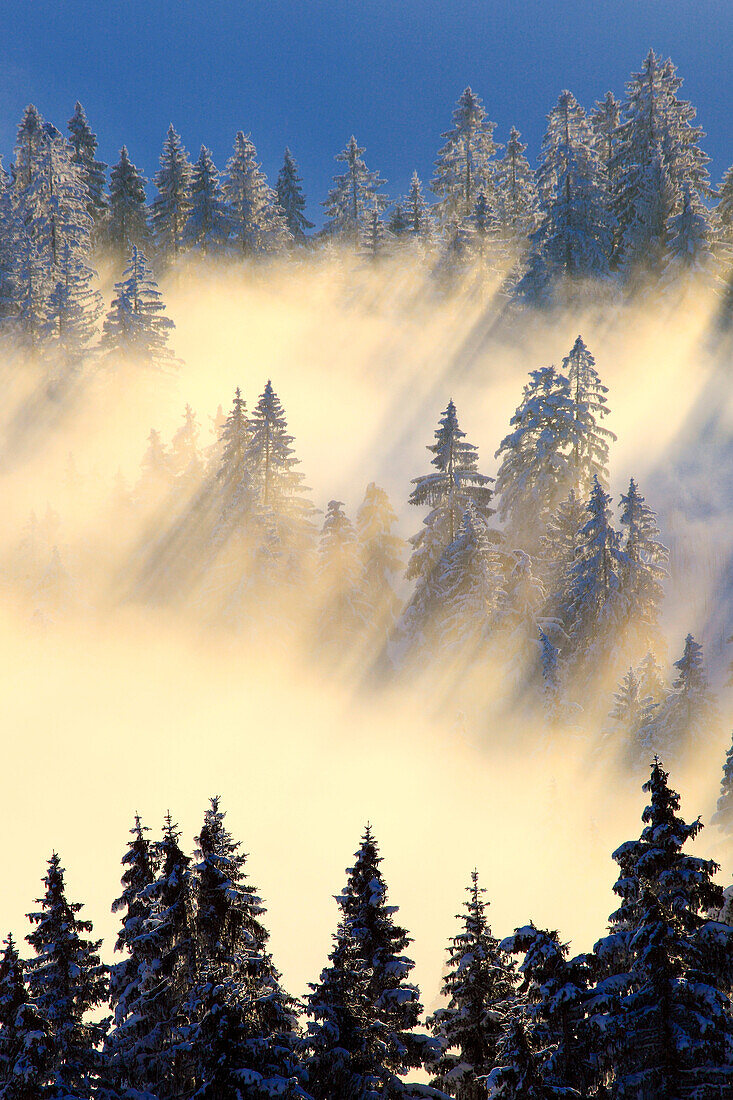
375,238
184,451
172,204
553,989
207,226
592,439
573,242
93,172
690,252
257,223
657,157
598,604
342,613
632,721
453,485
363,1012
244,1029
723,215
559,548
67,982
291,200
234,473
465,164
464,596
135,326
126,1046
381,553
127,225
25,1046
605,119
272,462
516,204
354,196
660,1011
647,557
418,213
537,468
479,983
688,716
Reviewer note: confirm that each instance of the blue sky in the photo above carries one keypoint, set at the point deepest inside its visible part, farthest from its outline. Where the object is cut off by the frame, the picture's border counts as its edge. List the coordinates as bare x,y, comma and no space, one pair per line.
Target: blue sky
308,73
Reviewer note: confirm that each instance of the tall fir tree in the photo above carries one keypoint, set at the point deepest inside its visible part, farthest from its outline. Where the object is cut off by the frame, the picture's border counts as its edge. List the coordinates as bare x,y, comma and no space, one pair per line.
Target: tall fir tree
464,167
291,200
67,981
207,227
257,224
479,984
25,1046
341,617
364,1010
517,205
127,226
574,239
723,816
172,204
647,557
657,156
354,196
135,325
381,553
448,490
93,172
660,1012
537,469
592,439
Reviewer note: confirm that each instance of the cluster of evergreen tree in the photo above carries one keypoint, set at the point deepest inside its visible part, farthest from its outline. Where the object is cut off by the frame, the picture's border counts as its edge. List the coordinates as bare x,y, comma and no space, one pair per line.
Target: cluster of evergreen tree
620,195
197,1008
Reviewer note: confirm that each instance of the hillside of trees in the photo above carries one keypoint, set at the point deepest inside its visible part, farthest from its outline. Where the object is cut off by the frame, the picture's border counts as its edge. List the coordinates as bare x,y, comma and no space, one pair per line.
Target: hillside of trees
534,599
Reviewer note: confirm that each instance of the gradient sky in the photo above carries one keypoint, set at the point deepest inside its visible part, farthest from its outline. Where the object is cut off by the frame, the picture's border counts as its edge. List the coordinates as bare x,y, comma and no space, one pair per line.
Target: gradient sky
308,73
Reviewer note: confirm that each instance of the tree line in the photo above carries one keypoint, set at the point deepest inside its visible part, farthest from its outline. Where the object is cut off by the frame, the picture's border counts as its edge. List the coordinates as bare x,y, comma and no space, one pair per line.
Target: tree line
197,1007
620,198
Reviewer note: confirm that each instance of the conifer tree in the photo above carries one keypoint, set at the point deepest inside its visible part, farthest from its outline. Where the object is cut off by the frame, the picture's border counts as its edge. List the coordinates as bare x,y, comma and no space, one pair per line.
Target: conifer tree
647,558
291,200
454,485
381,553
574,239
354,196
93,172
135,326
234,473
479,982
464,167
517,208
605,119
688,716
30,139
536,468
554,990
464,595
598,603
257,223
342,612
633,715
364,1010
25,1049
207,228
271,458
723,213
244,1036
127,226
126,1047
66,981
656,157
559,549
172,205
660,1011
651,680
374,238
592,439
184,453
690,248
417,212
